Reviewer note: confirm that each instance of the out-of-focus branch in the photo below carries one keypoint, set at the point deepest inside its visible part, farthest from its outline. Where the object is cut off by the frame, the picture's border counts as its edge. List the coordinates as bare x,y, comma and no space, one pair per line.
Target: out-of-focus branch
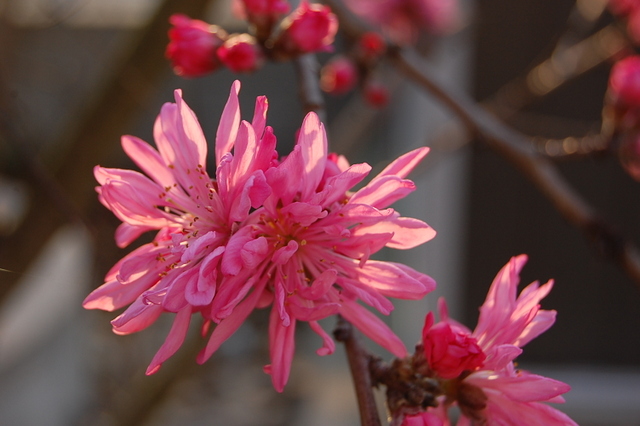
308,87
516,148
563,65
359,360
111,112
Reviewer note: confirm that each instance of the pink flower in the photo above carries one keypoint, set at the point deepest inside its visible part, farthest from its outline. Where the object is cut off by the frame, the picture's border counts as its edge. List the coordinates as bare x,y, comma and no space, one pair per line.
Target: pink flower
192,46
402,20
309,28
496,391
241,53
184,269
449,350
308,248
265,232
338,76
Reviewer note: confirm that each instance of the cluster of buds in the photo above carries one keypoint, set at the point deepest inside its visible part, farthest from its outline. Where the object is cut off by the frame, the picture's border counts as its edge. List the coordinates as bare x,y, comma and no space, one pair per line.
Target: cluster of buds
197,48
344,72
621,116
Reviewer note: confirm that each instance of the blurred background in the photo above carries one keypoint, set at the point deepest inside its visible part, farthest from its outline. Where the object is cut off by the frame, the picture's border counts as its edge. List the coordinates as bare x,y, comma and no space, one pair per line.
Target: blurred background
77,74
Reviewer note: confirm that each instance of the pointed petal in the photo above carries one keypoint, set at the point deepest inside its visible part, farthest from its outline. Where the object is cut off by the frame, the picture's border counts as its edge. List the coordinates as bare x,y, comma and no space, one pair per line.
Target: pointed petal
373,327
313,146
260,115
281,349
229,122
229,325
173,341
403,165
328,346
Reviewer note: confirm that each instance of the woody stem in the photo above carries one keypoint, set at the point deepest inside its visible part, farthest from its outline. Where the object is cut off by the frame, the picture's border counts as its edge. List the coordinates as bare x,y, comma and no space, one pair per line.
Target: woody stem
358,359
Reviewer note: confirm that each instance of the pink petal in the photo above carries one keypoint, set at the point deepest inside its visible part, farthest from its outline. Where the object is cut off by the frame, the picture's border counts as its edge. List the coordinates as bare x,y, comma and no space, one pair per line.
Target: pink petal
313,143
403,165
523,387
283,254
260,115
126,233
320,285
328,346
502,410
543,320
173,341
229,325
395,280
303,213
373,327
281,349
192,131
336,186
254,252
382,192
229,122
137,317
148,159
407,232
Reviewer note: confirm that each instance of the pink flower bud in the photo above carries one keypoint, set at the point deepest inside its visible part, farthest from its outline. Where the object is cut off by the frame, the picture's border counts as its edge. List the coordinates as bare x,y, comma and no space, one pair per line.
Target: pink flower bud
372,45
338,76
450,351
192,46
624,91
266,7
376,94
310,28
241,53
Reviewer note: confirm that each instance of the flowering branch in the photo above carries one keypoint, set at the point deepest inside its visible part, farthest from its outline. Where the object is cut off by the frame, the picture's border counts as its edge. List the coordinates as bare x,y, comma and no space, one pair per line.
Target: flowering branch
359,360
516,148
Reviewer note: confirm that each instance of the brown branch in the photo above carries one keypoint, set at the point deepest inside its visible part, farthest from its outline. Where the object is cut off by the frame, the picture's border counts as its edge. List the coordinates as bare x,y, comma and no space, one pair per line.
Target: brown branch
308,85
516,148
359,360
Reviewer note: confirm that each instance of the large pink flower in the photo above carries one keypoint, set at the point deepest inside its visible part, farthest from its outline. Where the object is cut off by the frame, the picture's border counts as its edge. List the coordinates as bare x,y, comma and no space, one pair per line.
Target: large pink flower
496,390
181,270
264,232
308,248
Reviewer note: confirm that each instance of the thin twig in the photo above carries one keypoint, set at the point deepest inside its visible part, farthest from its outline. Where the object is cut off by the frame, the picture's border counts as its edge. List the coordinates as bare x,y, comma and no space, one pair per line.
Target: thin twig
516,148
359,360
308,87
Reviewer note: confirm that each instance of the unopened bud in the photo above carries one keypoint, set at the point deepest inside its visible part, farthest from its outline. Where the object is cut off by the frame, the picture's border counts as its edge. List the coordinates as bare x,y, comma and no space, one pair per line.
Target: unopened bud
192,46
310,28
241,53
338,76
376,94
